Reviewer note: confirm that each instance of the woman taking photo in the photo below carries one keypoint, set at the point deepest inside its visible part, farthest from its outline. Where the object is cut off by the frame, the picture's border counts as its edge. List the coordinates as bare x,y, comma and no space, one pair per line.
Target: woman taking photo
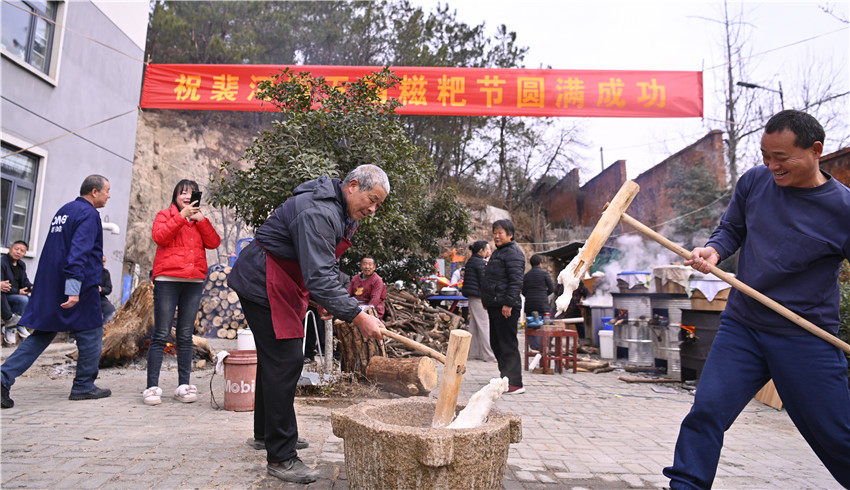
503,283
479,323
182,234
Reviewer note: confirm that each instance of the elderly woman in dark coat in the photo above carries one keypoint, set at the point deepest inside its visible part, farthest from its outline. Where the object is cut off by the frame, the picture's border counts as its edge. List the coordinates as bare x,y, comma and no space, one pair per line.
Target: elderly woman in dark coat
503,283
479,323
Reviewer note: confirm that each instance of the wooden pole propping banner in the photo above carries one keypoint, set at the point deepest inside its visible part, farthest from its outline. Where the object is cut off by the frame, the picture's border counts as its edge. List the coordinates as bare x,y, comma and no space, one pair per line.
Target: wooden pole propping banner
740,286
455,366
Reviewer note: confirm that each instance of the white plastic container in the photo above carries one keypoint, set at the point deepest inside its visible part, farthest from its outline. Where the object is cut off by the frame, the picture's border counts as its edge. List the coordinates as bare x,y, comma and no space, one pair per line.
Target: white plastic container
606,344
245,340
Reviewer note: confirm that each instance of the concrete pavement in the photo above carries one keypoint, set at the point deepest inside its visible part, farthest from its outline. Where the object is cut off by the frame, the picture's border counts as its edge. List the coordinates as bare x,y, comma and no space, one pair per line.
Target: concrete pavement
579,431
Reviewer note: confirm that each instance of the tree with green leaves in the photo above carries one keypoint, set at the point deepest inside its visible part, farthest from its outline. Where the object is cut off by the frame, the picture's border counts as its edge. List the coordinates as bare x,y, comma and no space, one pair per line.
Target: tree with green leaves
330,131
698,199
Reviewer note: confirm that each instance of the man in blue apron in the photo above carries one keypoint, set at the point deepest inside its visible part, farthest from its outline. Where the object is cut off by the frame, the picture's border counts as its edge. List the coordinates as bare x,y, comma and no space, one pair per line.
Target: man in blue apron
292,259
65,293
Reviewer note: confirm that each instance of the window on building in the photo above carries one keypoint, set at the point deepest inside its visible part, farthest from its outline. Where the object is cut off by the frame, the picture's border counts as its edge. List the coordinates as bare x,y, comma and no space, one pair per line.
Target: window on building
28,29
18,192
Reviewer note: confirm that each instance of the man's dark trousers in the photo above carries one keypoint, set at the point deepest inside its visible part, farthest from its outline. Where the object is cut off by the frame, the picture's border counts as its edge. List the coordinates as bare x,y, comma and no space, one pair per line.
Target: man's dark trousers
279,364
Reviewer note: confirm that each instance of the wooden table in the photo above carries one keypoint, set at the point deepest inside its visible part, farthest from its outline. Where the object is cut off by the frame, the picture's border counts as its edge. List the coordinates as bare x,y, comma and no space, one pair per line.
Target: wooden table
562,352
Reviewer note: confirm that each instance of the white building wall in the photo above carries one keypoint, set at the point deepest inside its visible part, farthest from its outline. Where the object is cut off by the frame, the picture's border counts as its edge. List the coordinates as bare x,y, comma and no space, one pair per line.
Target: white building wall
81,117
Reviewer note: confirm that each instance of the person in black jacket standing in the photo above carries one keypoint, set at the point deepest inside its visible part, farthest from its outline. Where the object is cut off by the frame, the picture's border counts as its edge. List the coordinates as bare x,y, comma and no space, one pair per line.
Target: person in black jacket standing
536,287
504,274
479,323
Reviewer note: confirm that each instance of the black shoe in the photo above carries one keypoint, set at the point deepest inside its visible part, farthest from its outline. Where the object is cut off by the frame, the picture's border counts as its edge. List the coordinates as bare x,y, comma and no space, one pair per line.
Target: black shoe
259,444
293,470
7,400
91,395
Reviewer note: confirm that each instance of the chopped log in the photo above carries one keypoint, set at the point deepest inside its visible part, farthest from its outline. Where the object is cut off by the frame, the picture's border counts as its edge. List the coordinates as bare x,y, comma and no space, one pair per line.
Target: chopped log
230,334
210,305
232,297
642,369
125,334
202,347
591,365
414,376
354,350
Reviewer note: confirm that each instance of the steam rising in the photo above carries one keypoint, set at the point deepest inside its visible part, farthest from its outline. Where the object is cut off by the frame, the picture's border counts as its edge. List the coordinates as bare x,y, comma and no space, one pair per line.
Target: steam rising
635,254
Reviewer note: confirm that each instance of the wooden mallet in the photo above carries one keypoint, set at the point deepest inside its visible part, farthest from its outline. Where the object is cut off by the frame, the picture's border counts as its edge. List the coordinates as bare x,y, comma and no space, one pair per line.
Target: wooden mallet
454,367
576,269
453,370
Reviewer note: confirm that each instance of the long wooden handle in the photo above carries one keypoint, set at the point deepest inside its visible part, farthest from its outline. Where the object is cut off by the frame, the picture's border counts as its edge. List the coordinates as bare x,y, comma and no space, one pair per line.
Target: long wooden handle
740,286
414,345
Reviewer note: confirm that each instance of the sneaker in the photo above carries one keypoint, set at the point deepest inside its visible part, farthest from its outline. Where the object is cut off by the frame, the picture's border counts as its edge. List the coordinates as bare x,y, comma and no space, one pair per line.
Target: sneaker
259,444
293,470
7,401
515,390
23,332
186,393
9,336
152,395
91,395
12,322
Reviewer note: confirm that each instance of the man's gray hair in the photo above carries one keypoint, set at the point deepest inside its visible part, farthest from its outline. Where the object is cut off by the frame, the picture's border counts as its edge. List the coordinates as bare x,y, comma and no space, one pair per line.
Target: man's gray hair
369,176
91,183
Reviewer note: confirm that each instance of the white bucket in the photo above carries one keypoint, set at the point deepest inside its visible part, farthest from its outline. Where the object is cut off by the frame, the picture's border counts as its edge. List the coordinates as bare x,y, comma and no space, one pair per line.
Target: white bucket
245,340
606,344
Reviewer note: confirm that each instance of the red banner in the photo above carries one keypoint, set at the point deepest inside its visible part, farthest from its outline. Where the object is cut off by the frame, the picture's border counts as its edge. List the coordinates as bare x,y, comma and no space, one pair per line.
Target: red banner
446,91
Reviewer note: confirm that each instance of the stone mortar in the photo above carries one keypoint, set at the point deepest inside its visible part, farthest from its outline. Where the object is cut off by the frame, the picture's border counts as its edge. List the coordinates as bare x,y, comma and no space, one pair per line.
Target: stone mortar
391,444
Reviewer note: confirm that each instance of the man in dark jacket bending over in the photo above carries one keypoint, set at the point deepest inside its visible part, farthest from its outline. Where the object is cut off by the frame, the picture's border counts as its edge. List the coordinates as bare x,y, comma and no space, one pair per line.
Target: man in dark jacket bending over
292,259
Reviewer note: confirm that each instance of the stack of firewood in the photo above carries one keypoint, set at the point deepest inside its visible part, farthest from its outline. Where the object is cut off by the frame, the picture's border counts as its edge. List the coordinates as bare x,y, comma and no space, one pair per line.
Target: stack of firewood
416,319
220,312
390,364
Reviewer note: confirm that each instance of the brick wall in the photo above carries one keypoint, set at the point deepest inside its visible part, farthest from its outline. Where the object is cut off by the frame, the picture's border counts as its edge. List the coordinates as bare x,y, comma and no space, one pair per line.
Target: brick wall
837,164
651,205
567,204
599,190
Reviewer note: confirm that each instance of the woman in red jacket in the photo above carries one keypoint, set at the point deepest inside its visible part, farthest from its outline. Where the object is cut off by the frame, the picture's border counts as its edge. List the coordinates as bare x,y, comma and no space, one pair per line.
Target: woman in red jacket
182,234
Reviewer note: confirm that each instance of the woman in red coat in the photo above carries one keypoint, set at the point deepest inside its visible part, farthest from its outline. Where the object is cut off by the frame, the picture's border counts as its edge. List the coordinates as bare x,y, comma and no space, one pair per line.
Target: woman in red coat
182,234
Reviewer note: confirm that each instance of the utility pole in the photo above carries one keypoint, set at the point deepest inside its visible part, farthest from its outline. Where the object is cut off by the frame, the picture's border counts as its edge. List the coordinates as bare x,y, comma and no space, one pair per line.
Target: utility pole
601,158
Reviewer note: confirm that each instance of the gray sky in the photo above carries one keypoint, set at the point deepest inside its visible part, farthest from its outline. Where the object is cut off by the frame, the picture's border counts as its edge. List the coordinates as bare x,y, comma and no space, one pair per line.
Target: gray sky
671,35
